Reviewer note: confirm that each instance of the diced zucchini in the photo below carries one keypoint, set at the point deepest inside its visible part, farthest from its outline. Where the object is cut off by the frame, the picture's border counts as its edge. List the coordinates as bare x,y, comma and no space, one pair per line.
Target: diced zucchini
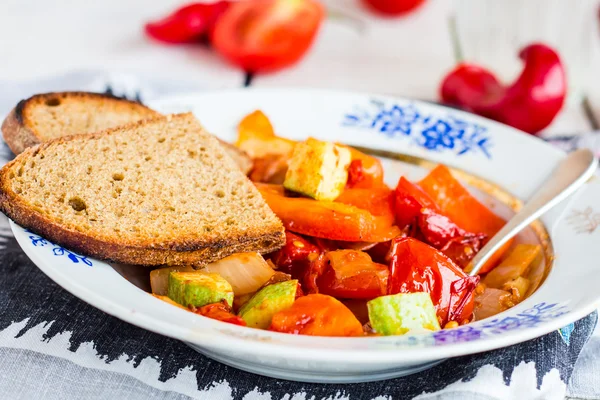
259,310
318,169
159,278
399,313
199,288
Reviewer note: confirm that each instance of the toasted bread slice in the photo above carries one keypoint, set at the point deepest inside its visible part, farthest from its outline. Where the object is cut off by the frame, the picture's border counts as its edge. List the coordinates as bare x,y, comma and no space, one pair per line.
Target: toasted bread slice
50,115
156,192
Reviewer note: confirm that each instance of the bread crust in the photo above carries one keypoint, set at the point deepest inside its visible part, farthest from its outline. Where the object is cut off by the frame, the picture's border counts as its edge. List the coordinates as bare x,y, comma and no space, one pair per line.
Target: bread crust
16,131
196,253
16,135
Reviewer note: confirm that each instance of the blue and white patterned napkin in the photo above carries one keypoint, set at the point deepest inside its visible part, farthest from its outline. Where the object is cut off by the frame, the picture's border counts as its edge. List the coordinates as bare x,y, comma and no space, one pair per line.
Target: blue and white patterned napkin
55,346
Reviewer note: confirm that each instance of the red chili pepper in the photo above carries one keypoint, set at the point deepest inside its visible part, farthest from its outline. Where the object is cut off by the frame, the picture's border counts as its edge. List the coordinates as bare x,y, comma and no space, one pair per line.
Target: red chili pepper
529,104
190,23
418,267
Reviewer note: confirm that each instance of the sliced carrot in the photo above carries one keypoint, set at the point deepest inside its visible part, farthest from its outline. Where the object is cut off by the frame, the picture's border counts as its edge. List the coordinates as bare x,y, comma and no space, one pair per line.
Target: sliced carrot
317,315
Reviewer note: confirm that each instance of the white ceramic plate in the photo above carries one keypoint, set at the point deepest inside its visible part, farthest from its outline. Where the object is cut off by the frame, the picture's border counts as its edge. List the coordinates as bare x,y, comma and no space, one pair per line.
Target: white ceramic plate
514,161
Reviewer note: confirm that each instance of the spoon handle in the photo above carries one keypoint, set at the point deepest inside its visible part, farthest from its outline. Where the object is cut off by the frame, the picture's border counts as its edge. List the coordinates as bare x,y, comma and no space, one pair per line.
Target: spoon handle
572,172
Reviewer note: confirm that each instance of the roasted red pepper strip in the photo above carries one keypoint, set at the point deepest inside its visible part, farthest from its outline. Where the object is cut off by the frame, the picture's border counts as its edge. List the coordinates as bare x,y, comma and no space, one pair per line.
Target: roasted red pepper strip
351,274
190,23
462,249
379,201
443,234
327,219
221,312
455,202
294,257
409,200
462,299
418,267
438,229
529,104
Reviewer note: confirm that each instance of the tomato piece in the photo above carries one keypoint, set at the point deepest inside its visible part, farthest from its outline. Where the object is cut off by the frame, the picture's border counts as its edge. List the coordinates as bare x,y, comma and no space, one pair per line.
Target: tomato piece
356,173
328,220
409,200
351,274
267,35
317,315
418,267
367,167
379,201
455,202
221,312
294,257
393,7
188,24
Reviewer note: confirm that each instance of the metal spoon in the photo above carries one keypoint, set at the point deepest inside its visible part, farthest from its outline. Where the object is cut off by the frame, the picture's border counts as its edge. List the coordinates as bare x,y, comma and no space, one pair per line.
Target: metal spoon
572,172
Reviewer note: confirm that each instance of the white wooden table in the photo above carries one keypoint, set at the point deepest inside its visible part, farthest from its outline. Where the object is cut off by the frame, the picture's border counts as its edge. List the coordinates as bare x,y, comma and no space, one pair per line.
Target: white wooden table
406,56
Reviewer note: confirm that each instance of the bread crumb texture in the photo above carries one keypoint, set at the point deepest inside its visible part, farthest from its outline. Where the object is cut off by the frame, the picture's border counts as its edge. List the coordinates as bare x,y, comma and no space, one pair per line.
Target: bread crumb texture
54,115
164,183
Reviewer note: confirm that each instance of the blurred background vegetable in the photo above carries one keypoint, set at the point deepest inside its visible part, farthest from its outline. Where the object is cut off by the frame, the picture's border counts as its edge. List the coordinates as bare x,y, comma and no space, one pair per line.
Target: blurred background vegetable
393,7
529,104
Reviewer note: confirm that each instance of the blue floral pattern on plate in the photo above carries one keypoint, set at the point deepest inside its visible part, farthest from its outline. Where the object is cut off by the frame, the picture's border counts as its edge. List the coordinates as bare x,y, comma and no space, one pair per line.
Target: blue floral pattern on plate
57,250
430,132
529,318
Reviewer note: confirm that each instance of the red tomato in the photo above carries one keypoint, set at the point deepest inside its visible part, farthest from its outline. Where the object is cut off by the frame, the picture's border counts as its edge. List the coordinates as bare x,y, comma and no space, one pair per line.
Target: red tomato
367,171
327,219
221,312
317,315
409,200
266,35
394,7
188,24
418,267
351,274
356,173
